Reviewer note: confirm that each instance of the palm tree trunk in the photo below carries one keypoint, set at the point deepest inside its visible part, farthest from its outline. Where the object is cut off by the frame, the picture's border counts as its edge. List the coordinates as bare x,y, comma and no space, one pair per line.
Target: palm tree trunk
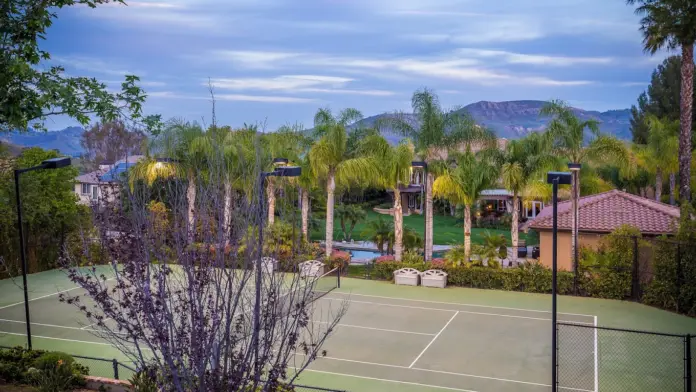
574,226
330,189
227,216
453,208
270,191
305,214
685,105
398,225
467,232
191,198
658,184
514,225
429,217
672,186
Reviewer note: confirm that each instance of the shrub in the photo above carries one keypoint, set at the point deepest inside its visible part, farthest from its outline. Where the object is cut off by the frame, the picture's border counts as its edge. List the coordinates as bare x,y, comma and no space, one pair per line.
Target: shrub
384,259
340,259
438,263
15,362
57,372
412,257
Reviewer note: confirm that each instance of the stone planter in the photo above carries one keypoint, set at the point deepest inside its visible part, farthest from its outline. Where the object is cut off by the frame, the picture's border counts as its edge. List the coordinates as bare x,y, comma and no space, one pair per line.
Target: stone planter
269,264
311,268
434,278
406,277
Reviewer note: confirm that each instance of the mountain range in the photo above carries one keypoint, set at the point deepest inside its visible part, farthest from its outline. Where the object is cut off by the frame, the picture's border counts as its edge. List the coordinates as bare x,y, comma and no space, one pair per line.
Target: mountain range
509,119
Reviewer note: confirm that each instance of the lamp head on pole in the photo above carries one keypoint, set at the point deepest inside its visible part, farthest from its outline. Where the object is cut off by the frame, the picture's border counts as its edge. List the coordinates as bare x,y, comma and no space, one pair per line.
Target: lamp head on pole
564,178
422,164
56,163
574,166
288,171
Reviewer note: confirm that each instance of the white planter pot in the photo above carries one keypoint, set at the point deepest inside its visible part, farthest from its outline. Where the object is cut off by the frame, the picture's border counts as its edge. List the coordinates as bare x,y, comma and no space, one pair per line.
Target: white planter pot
311,268
434,278
407,277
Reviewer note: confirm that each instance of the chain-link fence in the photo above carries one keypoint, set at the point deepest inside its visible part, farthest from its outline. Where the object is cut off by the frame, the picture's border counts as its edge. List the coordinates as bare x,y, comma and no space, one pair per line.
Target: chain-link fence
604,359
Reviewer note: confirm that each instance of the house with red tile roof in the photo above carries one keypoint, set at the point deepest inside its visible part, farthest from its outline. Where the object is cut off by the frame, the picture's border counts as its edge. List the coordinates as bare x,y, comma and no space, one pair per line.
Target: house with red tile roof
599,215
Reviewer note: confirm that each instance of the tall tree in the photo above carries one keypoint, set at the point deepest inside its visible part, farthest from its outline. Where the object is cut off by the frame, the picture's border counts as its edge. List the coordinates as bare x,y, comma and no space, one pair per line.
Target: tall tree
433,131
30,93
463,184
671,24
394,166
112,141
176,153
331,160
658,155
522,165
569,142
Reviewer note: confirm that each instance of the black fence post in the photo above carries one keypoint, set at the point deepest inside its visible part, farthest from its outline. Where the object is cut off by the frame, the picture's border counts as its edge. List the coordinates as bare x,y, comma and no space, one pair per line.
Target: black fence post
635,282
114,362
687,363
680,276
340,271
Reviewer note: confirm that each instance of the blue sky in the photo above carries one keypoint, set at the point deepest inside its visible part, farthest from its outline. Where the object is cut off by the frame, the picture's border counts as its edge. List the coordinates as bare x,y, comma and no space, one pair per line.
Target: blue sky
277,61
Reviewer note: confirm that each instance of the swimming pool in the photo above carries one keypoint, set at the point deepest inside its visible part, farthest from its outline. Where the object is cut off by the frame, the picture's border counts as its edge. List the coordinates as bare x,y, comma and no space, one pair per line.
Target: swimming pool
364,254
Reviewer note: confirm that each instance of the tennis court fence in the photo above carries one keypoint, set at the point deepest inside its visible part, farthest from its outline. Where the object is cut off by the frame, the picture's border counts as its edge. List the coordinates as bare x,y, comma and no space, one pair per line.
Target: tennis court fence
593,358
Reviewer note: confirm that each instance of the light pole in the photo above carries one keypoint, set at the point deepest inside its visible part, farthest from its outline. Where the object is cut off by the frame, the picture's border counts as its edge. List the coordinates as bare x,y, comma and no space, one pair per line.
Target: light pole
55,163
424,165
575,171
281,171
555,178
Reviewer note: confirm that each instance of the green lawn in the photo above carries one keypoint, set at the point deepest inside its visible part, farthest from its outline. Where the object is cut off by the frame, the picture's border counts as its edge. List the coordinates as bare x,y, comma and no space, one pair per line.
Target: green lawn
446,229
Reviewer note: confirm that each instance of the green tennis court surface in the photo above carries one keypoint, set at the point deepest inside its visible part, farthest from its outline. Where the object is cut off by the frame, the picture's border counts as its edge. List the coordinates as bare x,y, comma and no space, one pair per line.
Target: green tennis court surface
392,337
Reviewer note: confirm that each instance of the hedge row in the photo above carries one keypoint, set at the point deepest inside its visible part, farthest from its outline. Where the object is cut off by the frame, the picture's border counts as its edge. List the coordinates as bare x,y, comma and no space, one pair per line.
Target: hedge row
530,277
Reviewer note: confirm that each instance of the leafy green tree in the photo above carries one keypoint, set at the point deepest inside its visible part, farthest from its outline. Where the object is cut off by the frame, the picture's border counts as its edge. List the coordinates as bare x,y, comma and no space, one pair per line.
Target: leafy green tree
463,184
111,141
433,131
658,155
492,249
29,94
522,165
394,166
661,99
50,211
671,24
379,232
331,160
349,214
569,142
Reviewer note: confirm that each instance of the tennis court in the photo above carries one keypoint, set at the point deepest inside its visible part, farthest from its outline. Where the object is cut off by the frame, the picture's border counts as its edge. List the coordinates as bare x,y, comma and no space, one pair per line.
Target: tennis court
416,343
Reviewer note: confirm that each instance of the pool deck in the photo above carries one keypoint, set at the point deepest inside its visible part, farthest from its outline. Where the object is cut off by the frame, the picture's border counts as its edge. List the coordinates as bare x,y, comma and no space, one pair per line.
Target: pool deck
371,246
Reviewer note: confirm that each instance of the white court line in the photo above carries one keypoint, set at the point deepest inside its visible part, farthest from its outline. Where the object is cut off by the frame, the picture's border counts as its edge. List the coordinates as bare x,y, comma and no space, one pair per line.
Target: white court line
596,362
449,310
458,303
46,296
394,381
432,341
375,329
56,326
435,371
93,324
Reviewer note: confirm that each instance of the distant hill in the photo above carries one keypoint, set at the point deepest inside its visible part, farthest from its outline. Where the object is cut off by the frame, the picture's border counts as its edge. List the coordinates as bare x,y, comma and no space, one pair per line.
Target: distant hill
515,119
67,141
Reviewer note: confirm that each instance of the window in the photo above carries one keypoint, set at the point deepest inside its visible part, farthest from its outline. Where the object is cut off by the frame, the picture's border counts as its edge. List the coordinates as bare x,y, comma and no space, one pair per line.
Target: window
85,189
502,207
94,192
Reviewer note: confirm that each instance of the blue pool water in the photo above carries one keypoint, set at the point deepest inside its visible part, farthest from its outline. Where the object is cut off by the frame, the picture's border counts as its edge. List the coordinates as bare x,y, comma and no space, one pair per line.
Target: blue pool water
364,254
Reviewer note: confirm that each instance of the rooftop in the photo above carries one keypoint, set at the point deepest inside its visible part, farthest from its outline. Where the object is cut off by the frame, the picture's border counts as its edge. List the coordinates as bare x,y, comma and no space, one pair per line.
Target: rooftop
605,212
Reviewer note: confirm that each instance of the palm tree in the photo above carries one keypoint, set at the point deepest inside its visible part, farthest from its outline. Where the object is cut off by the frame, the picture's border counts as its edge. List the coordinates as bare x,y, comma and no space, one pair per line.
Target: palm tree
351,214
174,157
394,165
463,185
307,182
663,140
522,165
671,24
567,132
379,231
330,160
433,131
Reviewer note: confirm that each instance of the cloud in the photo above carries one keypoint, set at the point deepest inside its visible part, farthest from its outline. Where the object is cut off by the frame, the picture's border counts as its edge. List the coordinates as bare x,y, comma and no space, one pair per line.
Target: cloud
252,59
91,65
296,84
634,84
231,97
447,67
534,59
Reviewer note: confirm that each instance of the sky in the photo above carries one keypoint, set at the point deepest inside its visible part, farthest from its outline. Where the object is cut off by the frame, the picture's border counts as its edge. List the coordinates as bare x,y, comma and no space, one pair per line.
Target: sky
275,62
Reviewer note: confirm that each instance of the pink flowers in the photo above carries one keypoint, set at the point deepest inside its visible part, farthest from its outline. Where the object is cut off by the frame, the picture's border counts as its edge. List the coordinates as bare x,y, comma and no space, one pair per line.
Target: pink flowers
438,263
384,259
